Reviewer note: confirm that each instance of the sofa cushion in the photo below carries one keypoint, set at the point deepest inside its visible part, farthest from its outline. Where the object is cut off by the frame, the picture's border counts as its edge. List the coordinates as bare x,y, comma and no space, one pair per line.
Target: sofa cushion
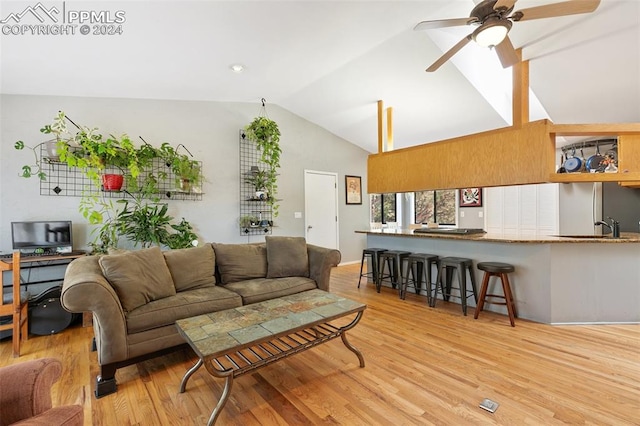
184,304
191,267
239,262
138,277
257,290
287,257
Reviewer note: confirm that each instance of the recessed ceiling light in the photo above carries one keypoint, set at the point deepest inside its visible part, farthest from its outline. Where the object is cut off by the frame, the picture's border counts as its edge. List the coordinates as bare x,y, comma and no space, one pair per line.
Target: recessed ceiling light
237,68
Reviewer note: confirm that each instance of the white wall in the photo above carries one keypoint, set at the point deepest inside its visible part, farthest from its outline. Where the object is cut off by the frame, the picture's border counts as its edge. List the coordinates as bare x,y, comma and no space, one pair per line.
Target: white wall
210,131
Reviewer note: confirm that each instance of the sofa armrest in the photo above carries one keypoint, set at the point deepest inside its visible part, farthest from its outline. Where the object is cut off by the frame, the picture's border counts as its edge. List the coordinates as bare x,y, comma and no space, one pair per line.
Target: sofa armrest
321,260
86,289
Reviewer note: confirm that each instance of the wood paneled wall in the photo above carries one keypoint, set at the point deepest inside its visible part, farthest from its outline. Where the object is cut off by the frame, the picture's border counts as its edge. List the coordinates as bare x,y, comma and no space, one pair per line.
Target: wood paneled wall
503,157
500,157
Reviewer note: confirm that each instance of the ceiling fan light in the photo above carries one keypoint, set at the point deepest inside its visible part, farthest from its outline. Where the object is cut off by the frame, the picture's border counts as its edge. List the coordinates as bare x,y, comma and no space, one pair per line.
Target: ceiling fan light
492,32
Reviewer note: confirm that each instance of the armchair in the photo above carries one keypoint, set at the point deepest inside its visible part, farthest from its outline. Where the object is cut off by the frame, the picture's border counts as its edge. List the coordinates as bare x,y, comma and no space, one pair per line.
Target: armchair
25,395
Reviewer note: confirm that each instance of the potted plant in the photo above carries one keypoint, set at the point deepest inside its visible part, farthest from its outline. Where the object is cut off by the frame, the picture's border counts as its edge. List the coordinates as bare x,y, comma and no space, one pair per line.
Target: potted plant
188,172
266,134
87,149
144,220
259,179
143,223
57,127
248,222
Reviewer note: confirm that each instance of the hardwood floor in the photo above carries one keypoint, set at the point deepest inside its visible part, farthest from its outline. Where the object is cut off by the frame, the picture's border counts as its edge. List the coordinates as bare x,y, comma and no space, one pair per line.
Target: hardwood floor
423,366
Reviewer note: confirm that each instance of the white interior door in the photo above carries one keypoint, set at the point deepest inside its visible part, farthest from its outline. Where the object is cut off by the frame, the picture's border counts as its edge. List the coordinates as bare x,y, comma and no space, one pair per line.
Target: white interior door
321,208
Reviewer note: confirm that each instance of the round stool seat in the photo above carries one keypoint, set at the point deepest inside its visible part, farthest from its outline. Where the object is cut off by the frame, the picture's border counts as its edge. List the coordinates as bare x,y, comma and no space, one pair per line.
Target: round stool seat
496,267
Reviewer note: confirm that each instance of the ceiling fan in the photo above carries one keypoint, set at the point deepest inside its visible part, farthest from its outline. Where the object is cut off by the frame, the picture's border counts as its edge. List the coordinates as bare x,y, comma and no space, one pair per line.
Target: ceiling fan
495,21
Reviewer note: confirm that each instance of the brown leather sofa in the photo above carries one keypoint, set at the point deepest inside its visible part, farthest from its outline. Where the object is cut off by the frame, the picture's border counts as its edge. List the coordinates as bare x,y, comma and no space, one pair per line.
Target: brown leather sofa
137,296
25,395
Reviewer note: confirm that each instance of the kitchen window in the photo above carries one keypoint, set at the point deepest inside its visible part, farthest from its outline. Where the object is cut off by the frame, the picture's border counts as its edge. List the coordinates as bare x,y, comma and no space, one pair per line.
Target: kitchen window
383,208
435,207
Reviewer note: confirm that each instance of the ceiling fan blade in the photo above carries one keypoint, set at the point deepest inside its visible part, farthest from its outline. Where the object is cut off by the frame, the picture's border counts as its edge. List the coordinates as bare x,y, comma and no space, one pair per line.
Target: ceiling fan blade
506,4
564,8
507,53
443,23
444,58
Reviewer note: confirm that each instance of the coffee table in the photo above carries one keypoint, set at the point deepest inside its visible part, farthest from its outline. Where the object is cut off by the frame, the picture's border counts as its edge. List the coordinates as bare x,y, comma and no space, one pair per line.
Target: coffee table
236,341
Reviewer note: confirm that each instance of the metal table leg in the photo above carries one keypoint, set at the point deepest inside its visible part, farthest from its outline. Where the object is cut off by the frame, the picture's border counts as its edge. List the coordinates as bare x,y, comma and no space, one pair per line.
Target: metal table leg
188,374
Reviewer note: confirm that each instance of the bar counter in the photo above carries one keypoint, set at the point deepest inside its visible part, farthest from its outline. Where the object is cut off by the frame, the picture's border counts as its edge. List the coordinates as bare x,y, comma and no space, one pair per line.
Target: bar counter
558,280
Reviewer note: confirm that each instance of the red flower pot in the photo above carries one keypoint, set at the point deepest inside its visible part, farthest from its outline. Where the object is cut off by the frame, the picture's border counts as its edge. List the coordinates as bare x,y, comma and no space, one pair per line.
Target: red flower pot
112,182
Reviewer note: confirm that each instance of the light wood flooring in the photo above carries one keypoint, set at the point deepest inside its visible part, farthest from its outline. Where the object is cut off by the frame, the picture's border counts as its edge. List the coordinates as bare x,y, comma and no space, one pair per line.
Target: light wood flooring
423,366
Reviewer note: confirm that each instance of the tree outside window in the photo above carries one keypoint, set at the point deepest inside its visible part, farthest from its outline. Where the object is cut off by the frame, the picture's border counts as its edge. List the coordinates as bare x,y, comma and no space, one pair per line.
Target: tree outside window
383,208
435,207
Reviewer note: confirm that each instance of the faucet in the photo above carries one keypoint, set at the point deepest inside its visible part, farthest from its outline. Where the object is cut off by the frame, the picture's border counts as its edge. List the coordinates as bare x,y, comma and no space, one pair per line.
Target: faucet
614,227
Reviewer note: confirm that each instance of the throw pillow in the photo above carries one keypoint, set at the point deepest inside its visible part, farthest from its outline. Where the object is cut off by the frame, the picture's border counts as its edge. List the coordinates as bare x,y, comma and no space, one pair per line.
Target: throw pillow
287,257
239,262
138,277
191,267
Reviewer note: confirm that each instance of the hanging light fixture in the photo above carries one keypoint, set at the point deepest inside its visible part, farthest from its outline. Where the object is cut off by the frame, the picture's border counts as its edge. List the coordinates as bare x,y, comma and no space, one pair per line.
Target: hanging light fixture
492,32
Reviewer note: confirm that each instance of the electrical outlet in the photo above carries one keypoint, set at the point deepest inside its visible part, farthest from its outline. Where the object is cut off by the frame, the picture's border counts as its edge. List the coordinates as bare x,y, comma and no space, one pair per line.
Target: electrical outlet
297,215
461,214
480,214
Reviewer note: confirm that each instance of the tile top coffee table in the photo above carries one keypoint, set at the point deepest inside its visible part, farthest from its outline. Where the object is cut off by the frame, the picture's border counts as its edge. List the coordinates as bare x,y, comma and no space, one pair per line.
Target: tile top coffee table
235,341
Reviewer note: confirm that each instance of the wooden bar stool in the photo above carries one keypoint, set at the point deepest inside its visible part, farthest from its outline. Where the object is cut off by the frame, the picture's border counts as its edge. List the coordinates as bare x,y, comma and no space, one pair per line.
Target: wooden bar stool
374,255
449,265
501,270
419,268
394,259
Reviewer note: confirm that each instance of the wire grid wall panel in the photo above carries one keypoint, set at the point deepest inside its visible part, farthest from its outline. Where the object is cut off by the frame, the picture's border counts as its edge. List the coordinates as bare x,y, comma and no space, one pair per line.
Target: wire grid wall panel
250,205
67,181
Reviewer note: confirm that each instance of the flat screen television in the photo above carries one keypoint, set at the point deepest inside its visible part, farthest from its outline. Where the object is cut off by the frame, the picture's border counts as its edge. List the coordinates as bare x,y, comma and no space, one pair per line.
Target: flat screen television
42,236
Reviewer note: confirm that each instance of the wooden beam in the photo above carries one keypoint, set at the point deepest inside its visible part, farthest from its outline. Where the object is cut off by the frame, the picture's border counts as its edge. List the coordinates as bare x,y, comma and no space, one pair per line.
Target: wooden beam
520,96
500,157
380,138
389,129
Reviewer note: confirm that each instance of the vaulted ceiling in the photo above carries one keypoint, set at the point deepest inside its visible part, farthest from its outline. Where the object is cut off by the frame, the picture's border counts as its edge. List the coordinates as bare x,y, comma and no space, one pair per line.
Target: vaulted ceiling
331,61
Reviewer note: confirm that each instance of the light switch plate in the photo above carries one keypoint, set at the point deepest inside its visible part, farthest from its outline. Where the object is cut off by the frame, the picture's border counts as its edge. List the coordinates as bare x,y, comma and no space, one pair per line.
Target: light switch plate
297,215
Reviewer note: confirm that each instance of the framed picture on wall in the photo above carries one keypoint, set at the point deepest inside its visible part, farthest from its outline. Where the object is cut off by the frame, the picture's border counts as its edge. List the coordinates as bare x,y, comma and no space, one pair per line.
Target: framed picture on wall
471,197
353,189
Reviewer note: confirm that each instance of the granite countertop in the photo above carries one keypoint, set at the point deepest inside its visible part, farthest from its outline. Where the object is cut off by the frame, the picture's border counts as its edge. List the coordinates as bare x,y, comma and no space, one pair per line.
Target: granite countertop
625,237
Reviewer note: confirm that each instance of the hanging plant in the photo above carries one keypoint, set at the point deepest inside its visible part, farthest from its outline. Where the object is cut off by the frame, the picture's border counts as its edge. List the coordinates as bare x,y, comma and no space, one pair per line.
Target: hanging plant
266,134
58,128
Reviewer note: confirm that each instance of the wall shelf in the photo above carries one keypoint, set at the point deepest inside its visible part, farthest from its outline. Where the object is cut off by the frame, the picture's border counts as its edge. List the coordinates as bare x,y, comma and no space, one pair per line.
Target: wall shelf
249,204
64,181
593,177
